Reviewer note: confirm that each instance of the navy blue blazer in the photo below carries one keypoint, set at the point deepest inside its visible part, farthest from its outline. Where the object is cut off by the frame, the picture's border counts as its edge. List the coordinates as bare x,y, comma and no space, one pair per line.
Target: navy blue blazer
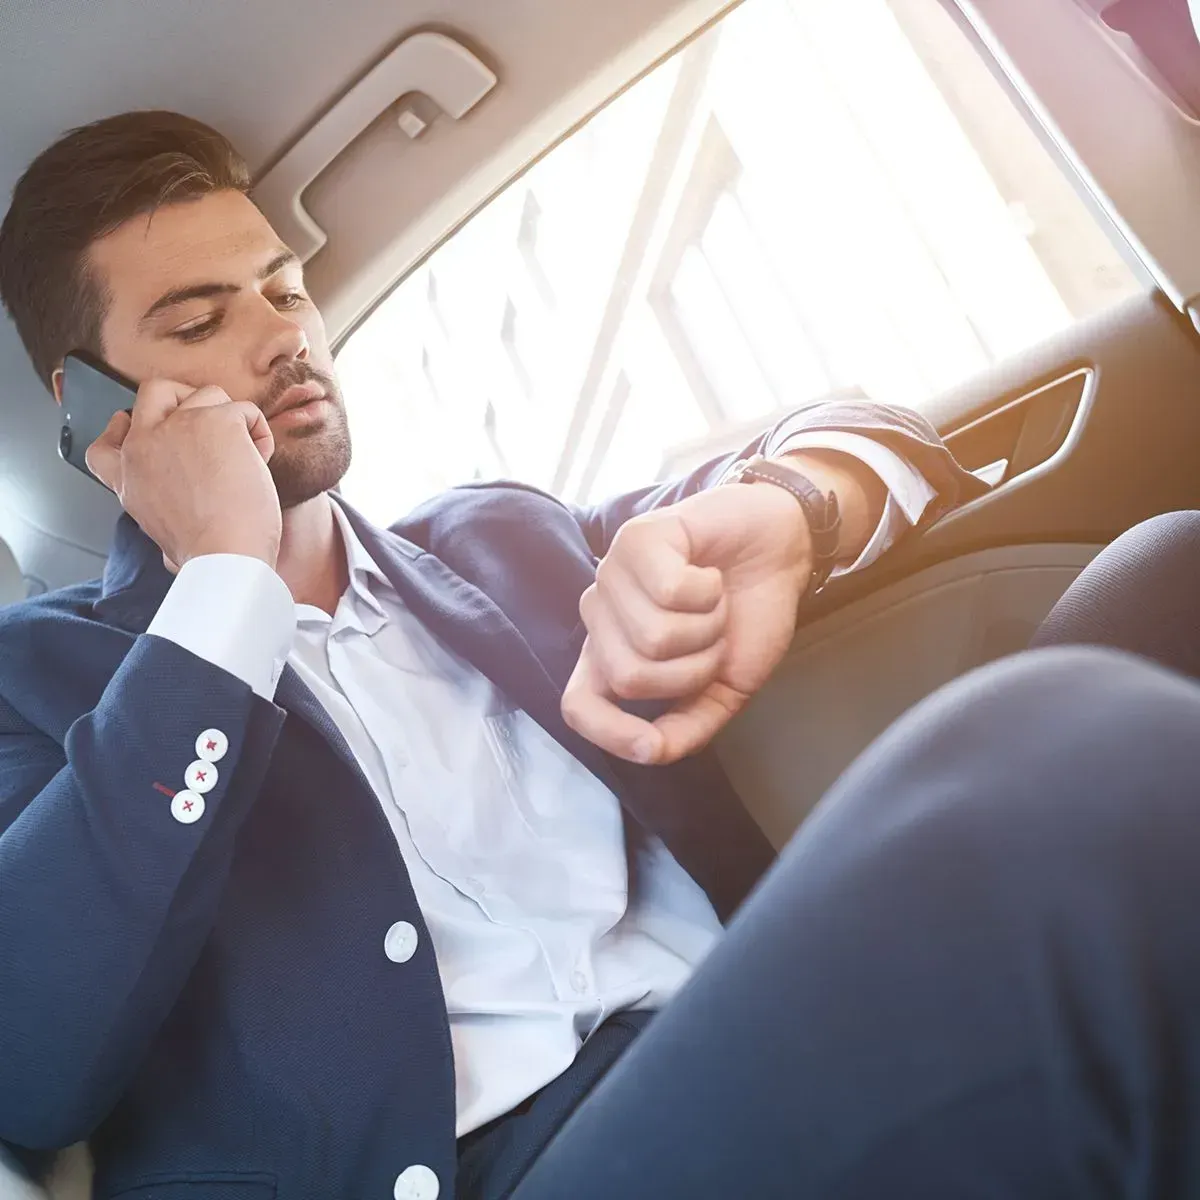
210,1004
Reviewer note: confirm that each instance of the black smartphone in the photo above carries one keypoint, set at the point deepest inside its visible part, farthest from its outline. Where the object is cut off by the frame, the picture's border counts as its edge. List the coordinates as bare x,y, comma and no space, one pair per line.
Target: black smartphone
92,392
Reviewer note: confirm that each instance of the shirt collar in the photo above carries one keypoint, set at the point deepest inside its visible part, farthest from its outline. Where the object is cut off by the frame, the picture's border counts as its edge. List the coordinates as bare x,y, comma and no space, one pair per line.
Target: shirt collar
366,579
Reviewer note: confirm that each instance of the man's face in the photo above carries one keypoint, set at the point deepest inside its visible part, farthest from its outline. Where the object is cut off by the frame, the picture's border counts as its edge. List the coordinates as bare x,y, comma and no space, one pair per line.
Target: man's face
203,292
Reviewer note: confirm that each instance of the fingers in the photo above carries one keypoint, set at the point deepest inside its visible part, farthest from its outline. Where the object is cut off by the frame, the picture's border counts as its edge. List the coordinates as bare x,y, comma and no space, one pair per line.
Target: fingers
650,631
693,723
630,674
103,456
655,554
589,708
256,423
655,622
258,427
158,398
678,586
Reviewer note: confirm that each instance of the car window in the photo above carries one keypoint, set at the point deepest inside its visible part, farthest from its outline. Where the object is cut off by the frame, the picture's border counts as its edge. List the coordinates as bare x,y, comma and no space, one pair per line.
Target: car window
814,197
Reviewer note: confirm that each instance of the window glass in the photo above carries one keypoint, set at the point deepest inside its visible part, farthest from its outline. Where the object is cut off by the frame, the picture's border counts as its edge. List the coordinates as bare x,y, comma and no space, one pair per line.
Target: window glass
817,196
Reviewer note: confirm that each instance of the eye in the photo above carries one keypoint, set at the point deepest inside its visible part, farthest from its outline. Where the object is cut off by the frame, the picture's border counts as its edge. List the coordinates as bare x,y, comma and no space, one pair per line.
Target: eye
194,333
290,300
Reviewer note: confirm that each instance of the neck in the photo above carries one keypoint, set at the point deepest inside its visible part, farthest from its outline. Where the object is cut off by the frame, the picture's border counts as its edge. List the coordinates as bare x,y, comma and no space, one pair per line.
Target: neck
312,558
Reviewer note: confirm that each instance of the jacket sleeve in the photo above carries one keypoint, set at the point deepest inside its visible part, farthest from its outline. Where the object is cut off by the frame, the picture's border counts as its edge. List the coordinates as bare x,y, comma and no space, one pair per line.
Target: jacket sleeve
106,900
906,433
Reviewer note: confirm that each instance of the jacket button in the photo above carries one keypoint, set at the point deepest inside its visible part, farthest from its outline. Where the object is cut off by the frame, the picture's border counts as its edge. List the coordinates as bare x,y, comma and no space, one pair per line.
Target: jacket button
400,942
200,777
417,1183
187,807
211,745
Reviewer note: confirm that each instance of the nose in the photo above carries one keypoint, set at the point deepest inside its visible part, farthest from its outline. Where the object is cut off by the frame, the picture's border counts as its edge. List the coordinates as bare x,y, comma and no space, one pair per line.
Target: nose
283,342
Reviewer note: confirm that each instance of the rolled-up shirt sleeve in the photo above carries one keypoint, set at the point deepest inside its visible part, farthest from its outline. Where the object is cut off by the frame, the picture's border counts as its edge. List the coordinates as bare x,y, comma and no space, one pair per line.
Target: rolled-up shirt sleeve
909,492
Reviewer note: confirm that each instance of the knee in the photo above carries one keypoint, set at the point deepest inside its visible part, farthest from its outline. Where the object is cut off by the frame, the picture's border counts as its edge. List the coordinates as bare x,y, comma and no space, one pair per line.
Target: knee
1139,595
983,850
1031,764
1163,549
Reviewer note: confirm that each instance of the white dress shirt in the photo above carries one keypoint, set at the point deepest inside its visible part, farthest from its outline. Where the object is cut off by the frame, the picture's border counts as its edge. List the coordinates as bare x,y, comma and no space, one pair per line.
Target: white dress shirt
515,851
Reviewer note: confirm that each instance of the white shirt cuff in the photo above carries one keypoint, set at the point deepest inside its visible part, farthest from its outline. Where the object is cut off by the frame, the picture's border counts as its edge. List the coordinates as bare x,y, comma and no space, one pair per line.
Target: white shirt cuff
909,492
910,489
891,525
234,612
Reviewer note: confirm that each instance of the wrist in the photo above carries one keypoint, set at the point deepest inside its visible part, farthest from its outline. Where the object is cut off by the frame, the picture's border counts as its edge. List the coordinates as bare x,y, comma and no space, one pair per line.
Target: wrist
780,510
244,547
819,523
860,494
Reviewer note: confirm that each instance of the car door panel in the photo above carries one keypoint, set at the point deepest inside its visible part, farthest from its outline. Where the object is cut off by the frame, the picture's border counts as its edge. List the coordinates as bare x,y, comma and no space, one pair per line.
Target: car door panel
850,674
1122,433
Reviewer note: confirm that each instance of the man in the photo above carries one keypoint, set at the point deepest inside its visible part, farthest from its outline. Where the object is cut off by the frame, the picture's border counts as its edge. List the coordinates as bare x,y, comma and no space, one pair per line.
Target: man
343,862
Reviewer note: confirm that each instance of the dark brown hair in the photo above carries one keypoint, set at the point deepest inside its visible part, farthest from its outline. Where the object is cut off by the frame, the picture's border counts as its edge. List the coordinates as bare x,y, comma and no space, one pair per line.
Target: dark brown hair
90,181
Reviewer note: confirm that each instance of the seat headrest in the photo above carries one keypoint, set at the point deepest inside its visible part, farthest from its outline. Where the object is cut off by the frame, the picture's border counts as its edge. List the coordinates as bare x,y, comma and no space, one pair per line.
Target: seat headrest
12,583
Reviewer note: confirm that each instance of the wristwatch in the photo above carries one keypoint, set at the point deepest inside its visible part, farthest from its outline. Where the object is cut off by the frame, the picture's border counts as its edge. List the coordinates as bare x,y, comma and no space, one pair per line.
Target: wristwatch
820,510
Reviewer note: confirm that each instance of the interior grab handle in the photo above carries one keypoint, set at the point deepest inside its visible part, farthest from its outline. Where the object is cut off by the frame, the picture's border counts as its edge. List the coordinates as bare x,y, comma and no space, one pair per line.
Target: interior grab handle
430,63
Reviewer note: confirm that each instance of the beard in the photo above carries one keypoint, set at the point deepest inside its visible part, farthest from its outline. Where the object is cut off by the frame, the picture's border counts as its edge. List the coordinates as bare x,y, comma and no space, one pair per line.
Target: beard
313,458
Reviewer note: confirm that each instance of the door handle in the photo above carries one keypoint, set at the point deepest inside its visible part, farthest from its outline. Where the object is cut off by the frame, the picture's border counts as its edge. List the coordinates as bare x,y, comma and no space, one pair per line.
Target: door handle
1024,433
430,63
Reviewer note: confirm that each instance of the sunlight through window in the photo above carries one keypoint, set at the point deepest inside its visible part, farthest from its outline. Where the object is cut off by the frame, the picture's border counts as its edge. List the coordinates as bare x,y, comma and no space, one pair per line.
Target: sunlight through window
817,195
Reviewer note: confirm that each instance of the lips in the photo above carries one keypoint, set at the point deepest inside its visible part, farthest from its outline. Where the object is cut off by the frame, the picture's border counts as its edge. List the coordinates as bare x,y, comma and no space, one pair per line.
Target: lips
296,396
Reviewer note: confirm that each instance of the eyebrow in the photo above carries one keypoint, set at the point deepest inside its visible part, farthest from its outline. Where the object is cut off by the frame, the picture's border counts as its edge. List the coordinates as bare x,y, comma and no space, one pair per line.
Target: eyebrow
205,291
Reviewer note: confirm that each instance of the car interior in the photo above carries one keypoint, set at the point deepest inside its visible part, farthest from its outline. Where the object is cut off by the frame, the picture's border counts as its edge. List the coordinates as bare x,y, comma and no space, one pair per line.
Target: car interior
587,246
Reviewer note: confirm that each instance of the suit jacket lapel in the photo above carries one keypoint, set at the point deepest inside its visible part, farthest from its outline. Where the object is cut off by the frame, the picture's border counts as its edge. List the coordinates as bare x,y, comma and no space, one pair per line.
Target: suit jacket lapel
477,629
711,834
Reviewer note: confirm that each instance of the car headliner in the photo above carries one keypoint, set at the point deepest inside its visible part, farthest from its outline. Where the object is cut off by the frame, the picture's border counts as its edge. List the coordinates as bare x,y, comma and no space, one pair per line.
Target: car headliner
262,73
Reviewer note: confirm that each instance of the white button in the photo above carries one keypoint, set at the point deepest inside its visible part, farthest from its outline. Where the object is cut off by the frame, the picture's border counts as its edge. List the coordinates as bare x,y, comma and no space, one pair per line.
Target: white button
417,1183
187,807
579,981
211,745
201,776
400,945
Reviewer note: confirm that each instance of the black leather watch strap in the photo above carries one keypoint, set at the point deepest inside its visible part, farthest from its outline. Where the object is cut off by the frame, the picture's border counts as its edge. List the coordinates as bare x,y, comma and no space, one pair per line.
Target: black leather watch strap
820,509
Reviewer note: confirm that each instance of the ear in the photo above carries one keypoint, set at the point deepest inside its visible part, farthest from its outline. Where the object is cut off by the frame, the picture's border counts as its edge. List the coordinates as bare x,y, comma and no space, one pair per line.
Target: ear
56,381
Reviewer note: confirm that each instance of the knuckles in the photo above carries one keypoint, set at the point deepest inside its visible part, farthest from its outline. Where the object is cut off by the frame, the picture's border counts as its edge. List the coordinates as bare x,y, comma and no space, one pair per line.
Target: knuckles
573,706
636,554
656,639
632,542
589,602
668,590
628,676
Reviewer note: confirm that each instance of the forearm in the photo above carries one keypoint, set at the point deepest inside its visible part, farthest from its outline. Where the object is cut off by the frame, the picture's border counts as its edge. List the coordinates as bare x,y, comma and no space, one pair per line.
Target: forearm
933,482
107,895
861,494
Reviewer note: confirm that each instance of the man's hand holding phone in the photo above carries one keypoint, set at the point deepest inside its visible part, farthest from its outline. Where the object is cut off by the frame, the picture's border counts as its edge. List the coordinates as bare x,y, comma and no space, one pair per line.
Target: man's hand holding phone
190,467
